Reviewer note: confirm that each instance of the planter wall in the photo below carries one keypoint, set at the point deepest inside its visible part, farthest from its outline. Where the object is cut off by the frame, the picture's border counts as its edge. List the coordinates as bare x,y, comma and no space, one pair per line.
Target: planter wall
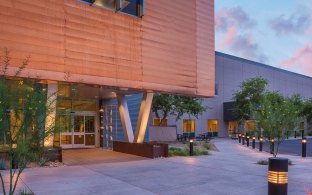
149,150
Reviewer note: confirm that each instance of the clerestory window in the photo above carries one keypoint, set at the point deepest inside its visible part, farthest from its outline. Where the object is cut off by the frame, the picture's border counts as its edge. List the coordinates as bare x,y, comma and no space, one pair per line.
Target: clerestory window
131,7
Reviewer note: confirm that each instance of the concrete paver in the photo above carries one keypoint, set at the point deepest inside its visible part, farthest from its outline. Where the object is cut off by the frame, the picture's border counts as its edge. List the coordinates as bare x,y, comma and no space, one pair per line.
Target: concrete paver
233,170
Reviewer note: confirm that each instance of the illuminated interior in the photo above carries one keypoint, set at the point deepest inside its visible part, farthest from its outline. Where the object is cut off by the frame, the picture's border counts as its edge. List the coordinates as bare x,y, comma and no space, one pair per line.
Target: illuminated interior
188,125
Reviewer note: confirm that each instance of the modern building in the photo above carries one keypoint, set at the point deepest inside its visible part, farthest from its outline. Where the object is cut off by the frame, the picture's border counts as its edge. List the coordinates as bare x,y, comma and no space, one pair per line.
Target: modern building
231,71
91,55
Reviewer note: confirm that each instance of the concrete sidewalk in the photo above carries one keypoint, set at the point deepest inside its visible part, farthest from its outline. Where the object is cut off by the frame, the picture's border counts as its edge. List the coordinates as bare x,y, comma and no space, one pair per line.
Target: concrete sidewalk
233,170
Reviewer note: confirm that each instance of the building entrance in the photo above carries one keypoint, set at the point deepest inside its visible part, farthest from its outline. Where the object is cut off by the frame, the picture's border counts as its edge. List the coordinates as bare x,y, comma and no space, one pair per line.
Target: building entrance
80,131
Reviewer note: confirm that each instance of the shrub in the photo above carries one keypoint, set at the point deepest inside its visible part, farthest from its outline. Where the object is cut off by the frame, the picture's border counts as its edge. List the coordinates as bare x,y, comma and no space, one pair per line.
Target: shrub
198,152
207,146
178,152
26,192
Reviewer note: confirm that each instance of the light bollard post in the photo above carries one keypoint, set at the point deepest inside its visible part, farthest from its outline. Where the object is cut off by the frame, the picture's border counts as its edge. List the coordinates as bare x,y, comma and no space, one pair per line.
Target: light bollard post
272,146
243,139
239,138
260,144
191,147
253,142
304,147
278,176
247,139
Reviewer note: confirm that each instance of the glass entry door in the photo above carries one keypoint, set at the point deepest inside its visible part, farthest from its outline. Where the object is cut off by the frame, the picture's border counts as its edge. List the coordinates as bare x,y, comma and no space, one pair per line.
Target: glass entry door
80,132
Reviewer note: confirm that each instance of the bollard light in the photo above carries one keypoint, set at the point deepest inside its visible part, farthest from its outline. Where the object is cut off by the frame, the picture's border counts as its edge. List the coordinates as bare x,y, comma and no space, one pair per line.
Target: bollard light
239,138
191,147
243,139
272,146
247,139
253,142
278,176
295,134
260,144
304,146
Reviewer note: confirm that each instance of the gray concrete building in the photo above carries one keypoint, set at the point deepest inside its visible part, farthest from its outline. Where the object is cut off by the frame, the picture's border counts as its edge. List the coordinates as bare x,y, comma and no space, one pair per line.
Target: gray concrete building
231,71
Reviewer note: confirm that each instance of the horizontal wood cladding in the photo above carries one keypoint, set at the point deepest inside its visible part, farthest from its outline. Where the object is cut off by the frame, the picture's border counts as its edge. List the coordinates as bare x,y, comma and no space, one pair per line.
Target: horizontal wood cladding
170,49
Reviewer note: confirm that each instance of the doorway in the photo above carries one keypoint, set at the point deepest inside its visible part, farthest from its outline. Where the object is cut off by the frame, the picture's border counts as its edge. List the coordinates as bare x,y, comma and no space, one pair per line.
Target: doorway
79,131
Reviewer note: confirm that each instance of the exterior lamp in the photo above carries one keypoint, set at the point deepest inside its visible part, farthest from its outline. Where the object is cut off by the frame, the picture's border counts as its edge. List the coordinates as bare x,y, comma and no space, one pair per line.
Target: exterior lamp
239,138
304,146
243,137
278,176
253,142
191,147
272,146
260,144
247,138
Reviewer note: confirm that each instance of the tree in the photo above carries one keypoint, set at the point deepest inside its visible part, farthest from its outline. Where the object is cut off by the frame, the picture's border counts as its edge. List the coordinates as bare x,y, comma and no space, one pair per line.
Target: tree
306,112
165,105
277,116
248,98
23,113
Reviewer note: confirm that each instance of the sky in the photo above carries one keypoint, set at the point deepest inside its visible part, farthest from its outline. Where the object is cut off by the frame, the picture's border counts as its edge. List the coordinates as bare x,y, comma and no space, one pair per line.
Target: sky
274,32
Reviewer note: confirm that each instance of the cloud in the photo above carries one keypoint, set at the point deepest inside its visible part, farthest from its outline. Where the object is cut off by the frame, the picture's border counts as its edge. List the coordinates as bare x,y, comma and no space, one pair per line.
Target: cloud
235,25
248,48
301,59
297,23
232,17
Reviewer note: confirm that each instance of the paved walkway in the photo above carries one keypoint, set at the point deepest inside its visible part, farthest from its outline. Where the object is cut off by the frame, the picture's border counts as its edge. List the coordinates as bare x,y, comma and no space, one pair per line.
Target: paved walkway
233,170
96,156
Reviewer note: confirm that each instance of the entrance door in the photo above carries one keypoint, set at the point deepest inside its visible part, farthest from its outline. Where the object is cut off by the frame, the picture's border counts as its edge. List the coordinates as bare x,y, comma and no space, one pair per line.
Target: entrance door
82,131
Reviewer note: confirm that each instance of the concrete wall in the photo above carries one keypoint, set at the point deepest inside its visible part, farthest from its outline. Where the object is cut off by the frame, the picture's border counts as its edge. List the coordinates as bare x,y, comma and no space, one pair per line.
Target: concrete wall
230,73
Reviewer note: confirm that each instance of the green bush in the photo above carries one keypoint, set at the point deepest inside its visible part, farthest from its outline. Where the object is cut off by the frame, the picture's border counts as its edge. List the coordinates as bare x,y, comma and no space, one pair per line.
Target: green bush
2,164
25,192
198,152
178,152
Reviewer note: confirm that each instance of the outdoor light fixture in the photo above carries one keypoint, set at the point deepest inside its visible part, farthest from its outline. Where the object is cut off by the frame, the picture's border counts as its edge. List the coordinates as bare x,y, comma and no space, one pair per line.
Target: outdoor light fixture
191,147
272,146
239,138
247,138
295,134
304,147
253,142
260,144
278,176
243,139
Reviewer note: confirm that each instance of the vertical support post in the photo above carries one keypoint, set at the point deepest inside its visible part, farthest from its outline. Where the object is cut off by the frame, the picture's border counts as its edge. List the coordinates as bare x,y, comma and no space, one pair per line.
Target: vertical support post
239,138
278,176
272,146
125,117
295,134
302,134
144,113
191,147
253,142
247,138
260,144
243,137
304,147
51,113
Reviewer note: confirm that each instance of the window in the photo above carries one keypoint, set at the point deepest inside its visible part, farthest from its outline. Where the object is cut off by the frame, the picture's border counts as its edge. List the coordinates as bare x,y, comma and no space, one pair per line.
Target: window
250,125
188,125
212,126
160,122
232,127
131,7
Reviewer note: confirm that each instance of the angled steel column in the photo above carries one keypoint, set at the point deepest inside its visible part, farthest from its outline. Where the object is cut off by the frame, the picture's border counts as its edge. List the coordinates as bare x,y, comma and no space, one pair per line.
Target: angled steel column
125,117
144,113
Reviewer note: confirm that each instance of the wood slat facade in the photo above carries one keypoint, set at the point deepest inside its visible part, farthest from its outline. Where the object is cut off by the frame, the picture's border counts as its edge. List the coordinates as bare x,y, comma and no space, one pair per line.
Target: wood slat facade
170,49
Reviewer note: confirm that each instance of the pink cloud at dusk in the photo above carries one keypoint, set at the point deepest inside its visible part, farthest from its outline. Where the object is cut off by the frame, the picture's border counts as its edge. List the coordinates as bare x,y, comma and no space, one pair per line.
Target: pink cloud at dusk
236,28
302,59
